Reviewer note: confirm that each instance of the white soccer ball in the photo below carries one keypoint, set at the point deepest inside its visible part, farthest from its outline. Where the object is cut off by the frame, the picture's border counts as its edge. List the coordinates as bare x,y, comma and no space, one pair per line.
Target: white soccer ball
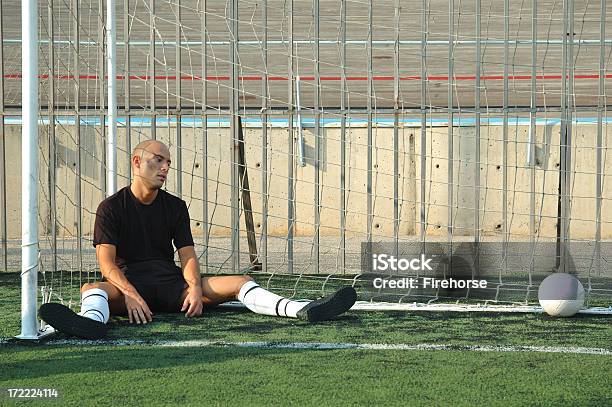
561,295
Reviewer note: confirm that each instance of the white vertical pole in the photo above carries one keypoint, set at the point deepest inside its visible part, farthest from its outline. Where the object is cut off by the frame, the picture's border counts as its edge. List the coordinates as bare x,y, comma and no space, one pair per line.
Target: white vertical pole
299,123
29,169
111,60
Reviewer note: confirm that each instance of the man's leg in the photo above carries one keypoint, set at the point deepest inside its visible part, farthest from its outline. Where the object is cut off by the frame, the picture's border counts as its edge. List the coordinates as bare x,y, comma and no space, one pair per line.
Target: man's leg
98,300
101,295
219,289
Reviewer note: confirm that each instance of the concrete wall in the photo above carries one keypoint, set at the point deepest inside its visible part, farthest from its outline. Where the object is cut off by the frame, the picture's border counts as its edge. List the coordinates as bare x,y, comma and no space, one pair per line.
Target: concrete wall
464,167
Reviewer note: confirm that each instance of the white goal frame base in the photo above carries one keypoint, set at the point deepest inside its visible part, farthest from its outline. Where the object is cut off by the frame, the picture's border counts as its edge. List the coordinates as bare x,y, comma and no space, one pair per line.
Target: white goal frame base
384,306
414,306
44,330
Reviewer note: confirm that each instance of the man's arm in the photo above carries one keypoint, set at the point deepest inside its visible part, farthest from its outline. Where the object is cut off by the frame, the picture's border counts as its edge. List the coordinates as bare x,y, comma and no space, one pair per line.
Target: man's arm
191,272
106,254
137,309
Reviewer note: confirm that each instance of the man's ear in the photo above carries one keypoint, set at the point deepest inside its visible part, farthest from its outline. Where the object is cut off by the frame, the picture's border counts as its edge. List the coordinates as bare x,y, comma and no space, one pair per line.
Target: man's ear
136,161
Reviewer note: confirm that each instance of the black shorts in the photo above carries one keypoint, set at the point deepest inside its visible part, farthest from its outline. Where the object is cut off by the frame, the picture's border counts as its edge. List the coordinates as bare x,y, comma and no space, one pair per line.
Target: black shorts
162,297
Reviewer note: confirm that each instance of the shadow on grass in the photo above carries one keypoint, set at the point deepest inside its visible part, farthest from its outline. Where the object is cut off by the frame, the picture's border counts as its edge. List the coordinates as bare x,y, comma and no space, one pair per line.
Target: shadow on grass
69,360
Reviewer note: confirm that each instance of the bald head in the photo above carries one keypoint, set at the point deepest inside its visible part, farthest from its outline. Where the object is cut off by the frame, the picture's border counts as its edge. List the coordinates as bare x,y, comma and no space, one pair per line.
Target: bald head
148,146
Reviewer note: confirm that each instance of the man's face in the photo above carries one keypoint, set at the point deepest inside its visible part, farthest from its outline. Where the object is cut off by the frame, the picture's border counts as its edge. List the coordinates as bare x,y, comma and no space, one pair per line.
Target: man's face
154,165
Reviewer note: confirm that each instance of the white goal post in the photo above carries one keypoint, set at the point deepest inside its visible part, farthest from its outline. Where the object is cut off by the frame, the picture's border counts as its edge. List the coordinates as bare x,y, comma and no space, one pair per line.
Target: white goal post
29,190
31,327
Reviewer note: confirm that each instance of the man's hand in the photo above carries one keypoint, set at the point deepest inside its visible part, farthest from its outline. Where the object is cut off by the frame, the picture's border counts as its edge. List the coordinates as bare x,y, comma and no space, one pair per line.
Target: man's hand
137,309
193,302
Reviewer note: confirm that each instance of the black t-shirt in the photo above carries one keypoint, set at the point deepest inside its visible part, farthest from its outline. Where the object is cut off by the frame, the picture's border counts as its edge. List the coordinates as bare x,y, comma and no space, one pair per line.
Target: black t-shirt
143,234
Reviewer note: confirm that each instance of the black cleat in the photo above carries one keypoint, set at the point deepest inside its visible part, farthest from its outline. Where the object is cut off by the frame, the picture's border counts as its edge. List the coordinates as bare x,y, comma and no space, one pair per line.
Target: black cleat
329,306
69,322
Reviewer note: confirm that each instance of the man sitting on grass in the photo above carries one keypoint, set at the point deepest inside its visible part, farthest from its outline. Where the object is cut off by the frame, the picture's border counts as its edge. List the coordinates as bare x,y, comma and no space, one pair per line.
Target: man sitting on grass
133,235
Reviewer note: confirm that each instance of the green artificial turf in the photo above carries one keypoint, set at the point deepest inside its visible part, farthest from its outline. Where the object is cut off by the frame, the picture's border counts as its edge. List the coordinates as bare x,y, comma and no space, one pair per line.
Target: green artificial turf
216,375
136,375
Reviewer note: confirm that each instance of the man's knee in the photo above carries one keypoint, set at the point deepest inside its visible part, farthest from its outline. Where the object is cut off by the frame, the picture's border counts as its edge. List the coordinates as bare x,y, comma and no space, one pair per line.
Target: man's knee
112,292
89,286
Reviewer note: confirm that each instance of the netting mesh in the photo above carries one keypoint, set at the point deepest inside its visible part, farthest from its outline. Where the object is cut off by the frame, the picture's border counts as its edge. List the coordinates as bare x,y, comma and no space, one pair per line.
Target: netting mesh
361,121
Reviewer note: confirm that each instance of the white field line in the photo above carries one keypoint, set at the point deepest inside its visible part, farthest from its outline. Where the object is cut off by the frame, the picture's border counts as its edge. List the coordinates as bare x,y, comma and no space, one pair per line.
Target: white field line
323,346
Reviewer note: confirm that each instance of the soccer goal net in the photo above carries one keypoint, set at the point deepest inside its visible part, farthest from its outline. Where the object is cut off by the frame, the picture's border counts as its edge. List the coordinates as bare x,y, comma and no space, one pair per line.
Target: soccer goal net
308,136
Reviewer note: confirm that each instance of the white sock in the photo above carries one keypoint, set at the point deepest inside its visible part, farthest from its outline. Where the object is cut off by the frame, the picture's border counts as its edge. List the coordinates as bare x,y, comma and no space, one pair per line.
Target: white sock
94,305
262,301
